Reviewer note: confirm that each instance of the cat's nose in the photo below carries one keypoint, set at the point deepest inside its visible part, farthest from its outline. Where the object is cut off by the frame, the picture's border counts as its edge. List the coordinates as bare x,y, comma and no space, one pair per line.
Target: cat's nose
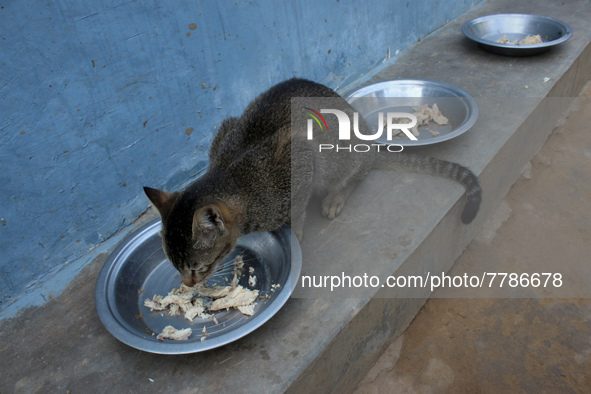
188,280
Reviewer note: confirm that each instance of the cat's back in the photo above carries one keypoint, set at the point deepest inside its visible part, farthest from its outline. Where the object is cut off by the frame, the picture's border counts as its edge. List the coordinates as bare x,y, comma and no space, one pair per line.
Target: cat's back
262,123
271,111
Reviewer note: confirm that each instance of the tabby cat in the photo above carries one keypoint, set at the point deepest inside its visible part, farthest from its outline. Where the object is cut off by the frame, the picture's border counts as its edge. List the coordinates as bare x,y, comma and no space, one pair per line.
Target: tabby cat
249,186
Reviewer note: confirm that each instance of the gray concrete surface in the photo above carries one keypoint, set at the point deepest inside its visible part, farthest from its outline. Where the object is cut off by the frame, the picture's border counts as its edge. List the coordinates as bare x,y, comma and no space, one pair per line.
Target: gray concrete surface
327,344
512,345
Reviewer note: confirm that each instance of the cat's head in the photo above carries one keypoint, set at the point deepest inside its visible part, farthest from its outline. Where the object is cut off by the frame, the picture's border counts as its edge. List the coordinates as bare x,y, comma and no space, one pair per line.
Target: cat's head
194,238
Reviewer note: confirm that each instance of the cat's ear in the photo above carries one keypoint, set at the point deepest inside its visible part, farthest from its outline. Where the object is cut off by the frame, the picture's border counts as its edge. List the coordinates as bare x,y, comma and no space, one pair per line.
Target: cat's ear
161,200
208,223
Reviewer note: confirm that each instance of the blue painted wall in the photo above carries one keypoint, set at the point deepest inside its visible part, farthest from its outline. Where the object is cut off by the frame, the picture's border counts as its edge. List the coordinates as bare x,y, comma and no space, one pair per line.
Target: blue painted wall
98,98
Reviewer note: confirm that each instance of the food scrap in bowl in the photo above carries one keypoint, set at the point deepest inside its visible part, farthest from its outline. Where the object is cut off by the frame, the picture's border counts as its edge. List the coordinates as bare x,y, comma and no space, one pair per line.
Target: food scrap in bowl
202,301
170,332
424,115
528,40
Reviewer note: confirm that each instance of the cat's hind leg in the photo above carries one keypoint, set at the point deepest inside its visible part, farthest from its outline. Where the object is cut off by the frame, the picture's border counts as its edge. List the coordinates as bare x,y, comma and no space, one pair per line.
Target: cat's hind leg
334,202
338,192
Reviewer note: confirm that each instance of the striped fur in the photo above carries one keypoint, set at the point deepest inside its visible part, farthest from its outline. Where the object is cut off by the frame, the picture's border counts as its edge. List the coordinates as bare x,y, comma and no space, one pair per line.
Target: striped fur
442,168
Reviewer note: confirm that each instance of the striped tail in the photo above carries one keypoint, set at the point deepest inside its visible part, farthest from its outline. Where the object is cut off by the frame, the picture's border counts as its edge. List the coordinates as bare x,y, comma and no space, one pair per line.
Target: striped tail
446,169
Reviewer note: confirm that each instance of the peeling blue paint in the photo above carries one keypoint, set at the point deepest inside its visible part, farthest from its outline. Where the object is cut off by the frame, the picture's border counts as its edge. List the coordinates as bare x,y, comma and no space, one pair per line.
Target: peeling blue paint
101,98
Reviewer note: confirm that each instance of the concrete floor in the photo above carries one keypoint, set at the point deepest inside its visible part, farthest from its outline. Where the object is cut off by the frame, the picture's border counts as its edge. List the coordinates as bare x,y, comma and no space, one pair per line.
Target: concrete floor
532,345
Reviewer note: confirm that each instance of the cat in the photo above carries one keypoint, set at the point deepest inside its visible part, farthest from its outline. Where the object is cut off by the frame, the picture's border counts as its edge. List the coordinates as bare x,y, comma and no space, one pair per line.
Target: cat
249,185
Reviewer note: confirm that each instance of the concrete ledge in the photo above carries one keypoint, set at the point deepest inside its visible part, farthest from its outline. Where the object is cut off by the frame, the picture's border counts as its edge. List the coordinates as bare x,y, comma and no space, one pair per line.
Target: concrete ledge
327,344
497,149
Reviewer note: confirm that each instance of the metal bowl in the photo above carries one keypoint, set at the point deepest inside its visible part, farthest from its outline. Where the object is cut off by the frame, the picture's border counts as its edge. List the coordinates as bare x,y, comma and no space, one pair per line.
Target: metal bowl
138,269
402,95
486,30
